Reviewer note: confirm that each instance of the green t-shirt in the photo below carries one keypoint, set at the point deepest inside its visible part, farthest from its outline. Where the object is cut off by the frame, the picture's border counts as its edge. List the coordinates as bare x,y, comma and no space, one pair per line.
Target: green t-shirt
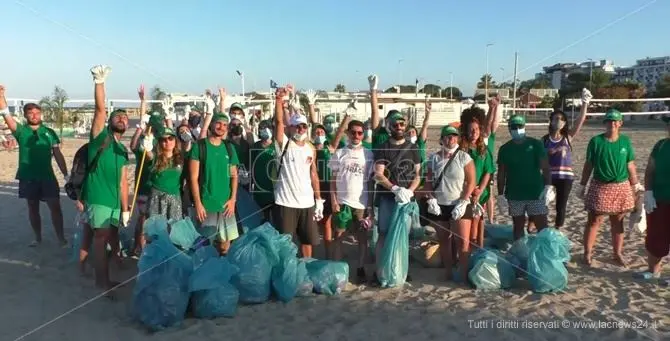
379,136
167,180
35,152
491,143
144,178
661,155
322,158
610,159
367,145
215,185
331,137
483,165
103,185
242,150
264,171
524,179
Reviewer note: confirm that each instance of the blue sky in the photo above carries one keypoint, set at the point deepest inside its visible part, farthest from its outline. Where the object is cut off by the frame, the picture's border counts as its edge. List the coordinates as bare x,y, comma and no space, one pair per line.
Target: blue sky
187,46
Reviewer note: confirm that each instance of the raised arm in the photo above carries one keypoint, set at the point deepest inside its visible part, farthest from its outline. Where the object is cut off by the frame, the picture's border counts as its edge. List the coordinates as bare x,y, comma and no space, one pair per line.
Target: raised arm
4,110
311,100
424,127
279,116
493,116
100,73
222,99
374,107
586,99
332,146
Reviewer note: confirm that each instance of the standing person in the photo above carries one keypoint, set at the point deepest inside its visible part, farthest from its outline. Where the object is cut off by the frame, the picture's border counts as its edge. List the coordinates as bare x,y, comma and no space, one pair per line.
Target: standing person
473,142
351,168
524,179
105,190
264,169
397,173
241,137
558,144
451,181
611,160
298,202
213,174
164,175
37,181
657,205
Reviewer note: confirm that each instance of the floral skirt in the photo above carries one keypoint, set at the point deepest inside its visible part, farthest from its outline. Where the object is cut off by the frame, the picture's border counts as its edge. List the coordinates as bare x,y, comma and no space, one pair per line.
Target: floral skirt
164,204
609,198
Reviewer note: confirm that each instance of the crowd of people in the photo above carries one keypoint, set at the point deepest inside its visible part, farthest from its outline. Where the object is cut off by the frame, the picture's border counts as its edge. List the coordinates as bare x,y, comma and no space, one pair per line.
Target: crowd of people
329,180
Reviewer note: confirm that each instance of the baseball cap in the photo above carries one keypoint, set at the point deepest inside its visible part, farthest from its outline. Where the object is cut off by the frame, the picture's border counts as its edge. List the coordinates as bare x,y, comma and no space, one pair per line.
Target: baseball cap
329,119
220,117
613,115
395,115
236,105
297,119
166,131
516,120
448,130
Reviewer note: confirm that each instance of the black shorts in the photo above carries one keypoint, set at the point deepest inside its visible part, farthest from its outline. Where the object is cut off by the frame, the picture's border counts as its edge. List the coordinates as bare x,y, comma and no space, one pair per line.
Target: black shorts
446,213
296,221
324,187
39,189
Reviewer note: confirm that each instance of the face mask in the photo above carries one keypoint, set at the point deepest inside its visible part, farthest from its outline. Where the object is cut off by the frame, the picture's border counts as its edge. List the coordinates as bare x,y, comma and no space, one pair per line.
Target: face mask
557,125
265,134
412,139
237,130
329,128
518,133
355,145
320,139
299,137
186,137
368,133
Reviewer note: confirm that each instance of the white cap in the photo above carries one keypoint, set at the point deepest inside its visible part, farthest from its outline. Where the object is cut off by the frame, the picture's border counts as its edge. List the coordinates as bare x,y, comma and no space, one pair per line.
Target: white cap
297,119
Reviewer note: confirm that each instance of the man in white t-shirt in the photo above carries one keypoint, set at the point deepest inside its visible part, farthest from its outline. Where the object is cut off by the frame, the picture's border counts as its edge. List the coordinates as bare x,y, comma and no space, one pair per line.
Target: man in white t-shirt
352,166
298,203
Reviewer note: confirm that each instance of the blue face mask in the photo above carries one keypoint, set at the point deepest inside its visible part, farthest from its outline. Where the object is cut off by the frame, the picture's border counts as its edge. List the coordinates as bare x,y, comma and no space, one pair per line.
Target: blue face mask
320,139
518,133
265,134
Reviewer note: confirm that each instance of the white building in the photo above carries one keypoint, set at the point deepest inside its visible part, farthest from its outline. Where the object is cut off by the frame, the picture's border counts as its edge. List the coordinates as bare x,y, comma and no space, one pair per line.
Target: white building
646,71
558,73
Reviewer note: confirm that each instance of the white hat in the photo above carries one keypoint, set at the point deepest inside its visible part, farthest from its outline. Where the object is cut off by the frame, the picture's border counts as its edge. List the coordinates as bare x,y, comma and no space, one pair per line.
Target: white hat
297,119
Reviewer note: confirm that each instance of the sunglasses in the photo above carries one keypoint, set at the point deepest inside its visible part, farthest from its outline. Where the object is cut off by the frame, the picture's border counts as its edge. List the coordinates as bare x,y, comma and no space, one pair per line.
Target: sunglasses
356,132
167,138
516,126
302,126
398,124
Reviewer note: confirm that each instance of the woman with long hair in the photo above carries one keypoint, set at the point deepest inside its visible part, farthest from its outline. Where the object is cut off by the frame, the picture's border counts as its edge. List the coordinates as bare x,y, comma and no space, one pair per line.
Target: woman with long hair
473,142
165,178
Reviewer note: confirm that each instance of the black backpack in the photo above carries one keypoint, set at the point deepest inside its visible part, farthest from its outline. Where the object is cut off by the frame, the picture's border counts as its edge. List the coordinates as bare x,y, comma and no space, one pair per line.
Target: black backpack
81,168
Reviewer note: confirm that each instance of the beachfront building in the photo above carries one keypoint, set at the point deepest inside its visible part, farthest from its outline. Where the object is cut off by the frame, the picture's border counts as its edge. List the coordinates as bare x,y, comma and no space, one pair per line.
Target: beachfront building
646,71
559,73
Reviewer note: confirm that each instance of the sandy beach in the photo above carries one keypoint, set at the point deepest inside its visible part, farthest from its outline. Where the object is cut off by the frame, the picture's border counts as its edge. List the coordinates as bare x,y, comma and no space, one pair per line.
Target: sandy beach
45,298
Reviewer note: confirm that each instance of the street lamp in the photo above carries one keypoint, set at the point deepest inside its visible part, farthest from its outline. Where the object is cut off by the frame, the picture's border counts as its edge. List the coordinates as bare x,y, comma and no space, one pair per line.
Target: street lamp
400,71
451,85
486,77
502,75
590,73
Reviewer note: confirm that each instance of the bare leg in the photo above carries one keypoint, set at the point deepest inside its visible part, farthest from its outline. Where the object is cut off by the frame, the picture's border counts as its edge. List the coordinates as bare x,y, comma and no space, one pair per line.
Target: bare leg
101,261
57,219
327,236
590,235
538,220
490,206
35,219
654,264
463,231
518,223
140,242
616,222
86,241
480,233
306,250
337,245
363,253
444,236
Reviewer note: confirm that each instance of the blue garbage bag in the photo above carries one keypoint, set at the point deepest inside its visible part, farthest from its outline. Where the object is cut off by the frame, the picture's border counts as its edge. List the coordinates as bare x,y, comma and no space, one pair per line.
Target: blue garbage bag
491,270
213,294
288,279
546,268
520,250
394,262
155,226
255,256
249,213
126,240
183,233
161,295
328,277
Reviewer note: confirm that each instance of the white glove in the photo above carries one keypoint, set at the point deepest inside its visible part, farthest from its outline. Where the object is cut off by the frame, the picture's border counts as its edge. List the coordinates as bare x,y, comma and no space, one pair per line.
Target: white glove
548,194
649,201
374,82
477,210
196,131
434,207
459,210
638,188
99,73
311,96
171,115
586,96
209,106
125,218
148,143
581,191
318,210
502,203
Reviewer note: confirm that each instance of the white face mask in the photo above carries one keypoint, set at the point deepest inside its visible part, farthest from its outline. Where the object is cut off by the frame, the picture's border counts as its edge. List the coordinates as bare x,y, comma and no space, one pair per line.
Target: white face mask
518,133
368,133
299,137
186,136
265,134
355,145
320,139
413,139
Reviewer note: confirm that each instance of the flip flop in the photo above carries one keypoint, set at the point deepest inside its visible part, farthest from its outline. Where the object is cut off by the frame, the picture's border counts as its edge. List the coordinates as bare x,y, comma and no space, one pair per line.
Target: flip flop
646,275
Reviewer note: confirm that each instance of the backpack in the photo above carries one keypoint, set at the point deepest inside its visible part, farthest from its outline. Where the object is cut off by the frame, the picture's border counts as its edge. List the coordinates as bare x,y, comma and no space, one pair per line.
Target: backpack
81,168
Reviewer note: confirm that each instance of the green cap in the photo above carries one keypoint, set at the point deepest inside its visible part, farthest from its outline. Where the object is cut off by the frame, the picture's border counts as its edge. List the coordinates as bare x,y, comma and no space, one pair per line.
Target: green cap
155,121
613,115
166,131
517,120
395,115
448,130
236,105
329,119
220,117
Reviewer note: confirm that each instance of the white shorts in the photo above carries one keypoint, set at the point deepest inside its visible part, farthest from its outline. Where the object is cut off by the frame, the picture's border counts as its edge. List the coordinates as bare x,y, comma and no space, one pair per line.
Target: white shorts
518,208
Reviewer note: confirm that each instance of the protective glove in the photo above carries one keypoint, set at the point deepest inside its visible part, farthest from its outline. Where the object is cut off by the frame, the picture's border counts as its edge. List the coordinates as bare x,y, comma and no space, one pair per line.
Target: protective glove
548,194
402,195
125,218
318,210
209,106
502,203
311,96
171,115
638,188
434,207
477,210
459,210
374,82
586,96
649,201
100,73
581,191
148,143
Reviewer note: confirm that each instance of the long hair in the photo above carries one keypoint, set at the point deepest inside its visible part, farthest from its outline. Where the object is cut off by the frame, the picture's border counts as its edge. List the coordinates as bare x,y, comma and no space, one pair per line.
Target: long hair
471,115
162,160
565,131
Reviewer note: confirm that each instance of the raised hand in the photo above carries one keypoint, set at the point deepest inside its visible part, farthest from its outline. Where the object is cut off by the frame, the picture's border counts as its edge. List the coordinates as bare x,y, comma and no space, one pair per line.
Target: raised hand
373,81
494,101
140,92
586,96
311,96
100,73
427,104
280,93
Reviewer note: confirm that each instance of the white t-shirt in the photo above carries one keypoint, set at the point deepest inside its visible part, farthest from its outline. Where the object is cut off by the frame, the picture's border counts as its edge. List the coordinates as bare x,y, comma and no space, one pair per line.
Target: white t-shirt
353,167
294,185
449,190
